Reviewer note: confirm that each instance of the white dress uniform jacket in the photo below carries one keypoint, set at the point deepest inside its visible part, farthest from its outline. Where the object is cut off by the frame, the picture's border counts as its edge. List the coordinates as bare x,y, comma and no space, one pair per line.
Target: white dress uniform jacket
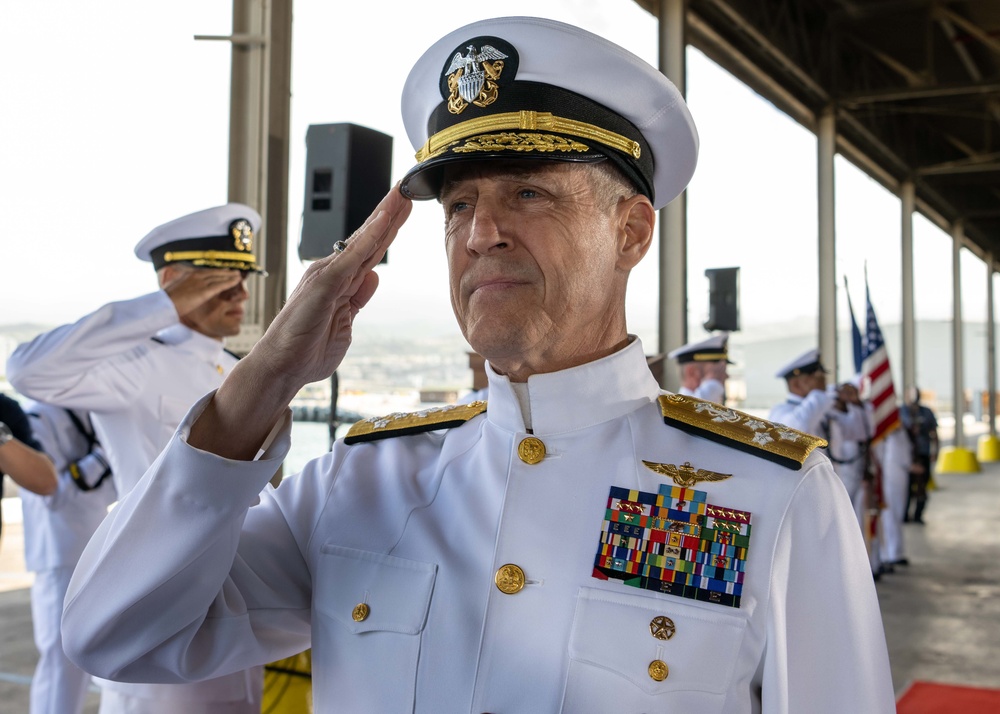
386,557
803,413
895,452
56,528
137,370
847,433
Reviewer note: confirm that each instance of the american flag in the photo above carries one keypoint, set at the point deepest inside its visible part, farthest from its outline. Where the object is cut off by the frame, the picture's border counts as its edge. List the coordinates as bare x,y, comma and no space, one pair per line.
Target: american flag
856,340
877,376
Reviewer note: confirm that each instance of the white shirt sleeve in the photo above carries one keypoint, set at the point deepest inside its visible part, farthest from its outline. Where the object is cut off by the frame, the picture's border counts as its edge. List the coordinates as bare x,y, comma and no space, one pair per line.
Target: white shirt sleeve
111,597
807,414
798,672
90,364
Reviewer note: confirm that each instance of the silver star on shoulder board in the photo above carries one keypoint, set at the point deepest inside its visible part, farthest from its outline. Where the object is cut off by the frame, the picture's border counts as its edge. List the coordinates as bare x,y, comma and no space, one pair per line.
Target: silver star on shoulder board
685,475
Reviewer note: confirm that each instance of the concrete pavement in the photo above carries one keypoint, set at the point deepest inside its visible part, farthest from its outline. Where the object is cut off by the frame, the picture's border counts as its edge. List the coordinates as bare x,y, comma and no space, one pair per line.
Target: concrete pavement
941,612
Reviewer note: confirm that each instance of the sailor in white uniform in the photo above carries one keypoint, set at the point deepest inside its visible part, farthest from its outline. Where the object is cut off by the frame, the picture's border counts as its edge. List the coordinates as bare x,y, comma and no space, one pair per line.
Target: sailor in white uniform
584,542
703,366
137,366
56,528
809,400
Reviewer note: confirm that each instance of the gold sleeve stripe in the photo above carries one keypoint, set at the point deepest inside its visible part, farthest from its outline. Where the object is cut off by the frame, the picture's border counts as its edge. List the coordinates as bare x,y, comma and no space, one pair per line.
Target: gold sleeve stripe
177,255
775,442
402,424
525,121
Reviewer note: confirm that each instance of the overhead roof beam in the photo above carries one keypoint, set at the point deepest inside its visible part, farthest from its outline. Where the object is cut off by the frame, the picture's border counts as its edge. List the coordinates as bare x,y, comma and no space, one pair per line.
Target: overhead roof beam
963,54
990,42
862,10
942,170
899,95
716,47
779,58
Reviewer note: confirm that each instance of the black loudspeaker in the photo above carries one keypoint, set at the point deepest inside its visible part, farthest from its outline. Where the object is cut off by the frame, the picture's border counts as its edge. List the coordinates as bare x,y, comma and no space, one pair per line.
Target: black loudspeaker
347,174
723,299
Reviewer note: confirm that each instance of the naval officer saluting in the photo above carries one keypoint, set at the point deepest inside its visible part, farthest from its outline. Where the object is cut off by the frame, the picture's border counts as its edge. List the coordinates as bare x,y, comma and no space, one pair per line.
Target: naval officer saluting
137,366
584,542
703,366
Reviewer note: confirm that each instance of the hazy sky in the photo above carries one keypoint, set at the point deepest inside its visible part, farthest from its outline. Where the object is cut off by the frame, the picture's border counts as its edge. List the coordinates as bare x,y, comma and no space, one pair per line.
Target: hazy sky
115,119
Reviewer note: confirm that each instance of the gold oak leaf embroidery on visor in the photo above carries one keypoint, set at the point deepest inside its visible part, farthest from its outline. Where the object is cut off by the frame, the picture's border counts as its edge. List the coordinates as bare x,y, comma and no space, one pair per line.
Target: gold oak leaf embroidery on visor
520,142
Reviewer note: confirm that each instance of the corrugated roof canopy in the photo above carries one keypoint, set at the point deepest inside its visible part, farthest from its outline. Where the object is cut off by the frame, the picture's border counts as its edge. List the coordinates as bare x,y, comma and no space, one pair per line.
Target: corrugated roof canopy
915,85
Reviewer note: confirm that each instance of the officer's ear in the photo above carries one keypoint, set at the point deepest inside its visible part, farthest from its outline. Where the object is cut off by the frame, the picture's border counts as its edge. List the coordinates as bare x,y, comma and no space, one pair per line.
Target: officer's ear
636,221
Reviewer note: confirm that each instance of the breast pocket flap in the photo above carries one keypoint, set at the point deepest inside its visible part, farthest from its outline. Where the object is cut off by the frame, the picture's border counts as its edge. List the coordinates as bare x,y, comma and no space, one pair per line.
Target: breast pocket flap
660,644
374,592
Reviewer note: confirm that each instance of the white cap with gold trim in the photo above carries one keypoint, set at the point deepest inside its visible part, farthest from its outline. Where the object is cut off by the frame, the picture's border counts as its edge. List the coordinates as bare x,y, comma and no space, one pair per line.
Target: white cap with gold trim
806,363
534,89
219,237
713,349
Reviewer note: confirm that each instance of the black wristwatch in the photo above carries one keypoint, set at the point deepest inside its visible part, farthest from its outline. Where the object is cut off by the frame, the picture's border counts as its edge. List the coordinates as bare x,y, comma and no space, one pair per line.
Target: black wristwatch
5,434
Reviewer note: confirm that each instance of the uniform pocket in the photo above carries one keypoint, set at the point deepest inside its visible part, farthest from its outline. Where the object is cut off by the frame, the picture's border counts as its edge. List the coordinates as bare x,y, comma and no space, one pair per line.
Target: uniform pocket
369,610
634,653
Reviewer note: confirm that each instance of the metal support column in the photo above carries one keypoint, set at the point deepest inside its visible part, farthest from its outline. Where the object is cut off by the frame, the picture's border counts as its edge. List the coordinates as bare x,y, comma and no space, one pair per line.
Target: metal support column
991,348
826,148
259,119
908,200
958,383
673,225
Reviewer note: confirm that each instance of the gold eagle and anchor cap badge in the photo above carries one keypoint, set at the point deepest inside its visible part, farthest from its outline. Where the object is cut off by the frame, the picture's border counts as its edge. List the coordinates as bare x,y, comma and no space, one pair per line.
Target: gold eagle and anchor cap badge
527,88
219,237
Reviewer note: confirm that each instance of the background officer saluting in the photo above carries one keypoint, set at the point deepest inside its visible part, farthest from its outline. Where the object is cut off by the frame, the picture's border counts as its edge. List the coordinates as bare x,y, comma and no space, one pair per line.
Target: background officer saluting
809,401
137,366
584,542
703,368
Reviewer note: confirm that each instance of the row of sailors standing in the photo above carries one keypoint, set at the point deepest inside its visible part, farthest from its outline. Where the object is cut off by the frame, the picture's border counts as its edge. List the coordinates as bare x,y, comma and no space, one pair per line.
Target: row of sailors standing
835,413
875,474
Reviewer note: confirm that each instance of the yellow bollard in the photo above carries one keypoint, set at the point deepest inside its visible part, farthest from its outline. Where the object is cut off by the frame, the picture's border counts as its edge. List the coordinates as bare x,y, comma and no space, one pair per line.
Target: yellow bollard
956,460
288,685
988,448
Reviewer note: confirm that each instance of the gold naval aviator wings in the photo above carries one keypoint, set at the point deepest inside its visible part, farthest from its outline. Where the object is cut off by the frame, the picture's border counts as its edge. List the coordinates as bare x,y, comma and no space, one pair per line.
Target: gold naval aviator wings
404,423
774,442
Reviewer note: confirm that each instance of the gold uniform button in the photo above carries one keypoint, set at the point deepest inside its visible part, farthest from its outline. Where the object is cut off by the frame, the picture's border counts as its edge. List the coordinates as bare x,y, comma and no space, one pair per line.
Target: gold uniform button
509,579
361,612
531,450
658,670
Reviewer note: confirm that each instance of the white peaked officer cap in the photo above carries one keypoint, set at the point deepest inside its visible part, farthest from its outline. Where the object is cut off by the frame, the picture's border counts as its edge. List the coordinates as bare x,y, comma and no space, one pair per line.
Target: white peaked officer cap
219,237
710,350
532,89
806,363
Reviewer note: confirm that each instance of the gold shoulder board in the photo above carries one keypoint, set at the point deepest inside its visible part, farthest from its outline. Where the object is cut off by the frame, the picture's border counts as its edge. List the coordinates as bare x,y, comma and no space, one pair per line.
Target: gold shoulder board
775,442
403,423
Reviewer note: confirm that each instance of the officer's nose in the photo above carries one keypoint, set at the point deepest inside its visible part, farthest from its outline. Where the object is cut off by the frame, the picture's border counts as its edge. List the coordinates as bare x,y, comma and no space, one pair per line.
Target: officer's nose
487,233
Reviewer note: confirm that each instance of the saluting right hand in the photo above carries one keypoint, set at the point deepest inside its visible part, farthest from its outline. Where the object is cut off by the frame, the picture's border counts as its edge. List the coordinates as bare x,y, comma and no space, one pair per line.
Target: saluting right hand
190,288
310,335
305,343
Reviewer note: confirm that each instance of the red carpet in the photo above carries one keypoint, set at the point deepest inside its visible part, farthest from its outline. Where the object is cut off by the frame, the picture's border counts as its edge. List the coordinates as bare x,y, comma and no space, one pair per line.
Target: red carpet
931,698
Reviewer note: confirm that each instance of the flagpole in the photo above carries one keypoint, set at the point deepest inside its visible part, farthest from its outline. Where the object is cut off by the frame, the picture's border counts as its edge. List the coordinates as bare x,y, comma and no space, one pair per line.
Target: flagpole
958,383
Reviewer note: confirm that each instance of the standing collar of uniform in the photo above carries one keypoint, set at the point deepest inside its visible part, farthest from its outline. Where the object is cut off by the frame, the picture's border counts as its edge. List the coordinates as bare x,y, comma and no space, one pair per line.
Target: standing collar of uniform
578,397
191,341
